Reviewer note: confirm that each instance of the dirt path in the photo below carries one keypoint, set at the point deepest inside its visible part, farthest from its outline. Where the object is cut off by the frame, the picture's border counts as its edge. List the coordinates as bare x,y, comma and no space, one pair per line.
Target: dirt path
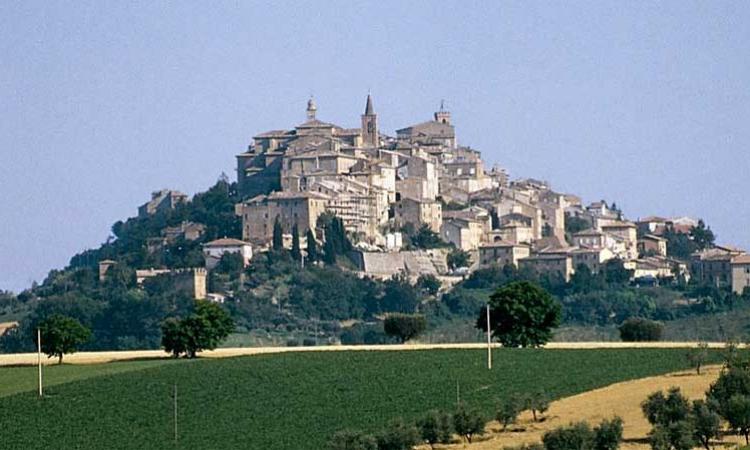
620,399
101,357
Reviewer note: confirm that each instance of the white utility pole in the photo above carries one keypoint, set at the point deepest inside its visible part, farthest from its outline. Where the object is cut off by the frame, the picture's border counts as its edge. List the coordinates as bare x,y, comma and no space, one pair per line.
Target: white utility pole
489,340
39,357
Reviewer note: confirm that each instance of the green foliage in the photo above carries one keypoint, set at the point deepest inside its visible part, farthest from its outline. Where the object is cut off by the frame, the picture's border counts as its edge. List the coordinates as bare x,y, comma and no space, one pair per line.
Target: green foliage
508,410
329,293
398,436
364,334
352,440
608,434
637,329
575,224
458,258
336,241
399,296
577,436
296,250
538,403
204,329
615,272
734,380
277,242
521,315
312,246
425,238
697,356
429,284
404,327
672,420
737,413
468,423
435,427
328,391
62,335
706,422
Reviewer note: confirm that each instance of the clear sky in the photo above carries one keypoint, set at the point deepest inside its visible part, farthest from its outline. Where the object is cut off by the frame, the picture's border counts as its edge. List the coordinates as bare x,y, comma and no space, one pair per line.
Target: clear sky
643,103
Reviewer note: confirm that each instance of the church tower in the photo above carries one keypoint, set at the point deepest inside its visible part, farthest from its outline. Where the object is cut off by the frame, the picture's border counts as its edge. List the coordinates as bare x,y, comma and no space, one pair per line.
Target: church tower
443,116
370,125
311,109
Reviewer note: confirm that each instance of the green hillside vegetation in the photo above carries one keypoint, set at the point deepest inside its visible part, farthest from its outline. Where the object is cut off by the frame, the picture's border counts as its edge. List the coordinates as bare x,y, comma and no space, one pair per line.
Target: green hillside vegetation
296,401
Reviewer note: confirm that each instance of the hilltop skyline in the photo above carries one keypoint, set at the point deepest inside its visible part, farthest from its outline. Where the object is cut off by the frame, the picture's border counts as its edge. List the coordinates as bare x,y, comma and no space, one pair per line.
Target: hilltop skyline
628,105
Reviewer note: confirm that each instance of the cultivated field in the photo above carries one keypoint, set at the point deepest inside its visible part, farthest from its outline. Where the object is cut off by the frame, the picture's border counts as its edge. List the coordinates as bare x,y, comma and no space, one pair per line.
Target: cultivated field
296,401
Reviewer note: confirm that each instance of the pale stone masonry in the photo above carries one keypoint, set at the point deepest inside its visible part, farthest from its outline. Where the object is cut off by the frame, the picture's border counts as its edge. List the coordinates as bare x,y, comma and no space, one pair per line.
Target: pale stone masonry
161,201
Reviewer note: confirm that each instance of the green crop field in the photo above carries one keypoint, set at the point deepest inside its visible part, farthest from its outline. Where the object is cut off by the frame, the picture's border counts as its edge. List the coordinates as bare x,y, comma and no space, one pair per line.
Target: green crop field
290,401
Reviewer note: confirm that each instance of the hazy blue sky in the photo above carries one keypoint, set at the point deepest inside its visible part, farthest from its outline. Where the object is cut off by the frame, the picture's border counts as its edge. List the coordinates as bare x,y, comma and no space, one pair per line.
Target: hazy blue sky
644,103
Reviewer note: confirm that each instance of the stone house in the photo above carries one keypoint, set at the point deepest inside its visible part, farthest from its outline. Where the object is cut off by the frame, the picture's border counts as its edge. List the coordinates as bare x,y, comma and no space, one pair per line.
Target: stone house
161,201
260,213
502,253
740,273
651,244
214,250
418,213
552,263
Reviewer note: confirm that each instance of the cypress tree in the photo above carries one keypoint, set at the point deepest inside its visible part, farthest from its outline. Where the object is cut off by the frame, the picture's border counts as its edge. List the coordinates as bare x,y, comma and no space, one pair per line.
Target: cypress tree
312,246
296,251
278,238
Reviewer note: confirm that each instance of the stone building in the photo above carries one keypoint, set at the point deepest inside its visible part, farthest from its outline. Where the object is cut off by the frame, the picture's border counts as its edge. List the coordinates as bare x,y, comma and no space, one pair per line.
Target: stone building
740,274
648,244
714,265
418,213
553,263
161,201
214,250
502,253
189,281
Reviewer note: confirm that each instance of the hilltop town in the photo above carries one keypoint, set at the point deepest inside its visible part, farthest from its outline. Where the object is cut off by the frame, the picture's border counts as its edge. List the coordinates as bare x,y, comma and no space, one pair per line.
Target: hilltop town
386,189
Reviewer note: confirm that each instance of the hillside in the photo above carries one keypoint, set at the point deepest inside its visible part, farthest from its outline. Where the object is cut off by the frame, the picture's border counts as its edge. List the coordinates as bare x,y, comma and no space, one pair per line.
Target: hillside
296,401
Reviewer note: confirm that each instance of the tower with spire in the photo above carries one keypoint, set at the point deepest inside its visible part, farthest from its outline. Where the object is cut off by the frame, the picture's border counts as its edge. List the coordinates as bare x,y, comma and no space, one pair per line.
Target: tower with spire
311,109
369,125
442,115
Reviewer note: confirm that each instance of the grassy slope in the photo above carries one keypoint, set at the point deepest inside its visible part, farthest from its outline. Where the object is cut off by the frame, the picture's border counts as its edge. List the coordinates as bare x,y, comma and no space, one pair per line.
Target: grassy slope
24,378
296,401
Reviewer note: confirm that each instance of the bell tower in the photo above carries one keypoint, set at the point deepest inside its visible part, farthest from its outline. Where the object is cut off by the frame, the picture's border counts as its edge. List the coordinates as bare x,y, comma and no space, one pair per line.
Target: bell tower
370,136
443,116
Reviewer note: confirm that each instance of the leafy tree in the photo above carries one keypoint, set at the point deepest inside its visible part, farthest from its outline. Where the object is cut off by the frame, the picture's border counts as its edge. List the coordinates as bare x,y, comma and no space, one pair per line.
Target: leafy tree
522,314
62,335
671,418
435,427
399,296
698,356
352,440
468,423
577,436
278,235
615,271
429,284
673,436
702,235
508,411
404,326
737,414
458,258
661,409
425,238
706,422
312,246
296,251
204,329
538,403
574,224
398,436
640,330
608,434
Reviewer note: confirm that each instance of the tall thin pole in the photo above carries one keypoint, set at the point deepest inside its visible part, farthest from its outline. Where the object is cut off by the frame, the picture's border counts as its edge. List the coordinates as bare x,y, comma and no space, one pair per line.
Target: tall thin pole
175,413
489,340
458,394
39,357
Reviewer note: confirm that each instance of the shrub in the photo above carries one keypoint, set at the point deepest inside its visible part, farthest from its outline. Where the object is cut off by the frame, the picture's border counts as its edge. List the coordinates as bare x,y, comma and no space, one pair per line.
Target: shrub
608,434
404,326
435,428
508,411
640,330
398,436
309,342
352,440
577,436
468,423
